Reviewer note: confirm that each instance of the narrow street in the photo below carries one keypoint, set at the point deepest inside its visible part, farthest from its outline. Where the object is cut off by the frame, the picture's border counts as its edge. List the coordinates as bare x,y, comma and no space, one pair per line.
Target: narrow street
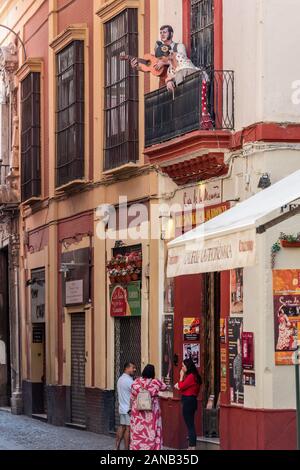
23,433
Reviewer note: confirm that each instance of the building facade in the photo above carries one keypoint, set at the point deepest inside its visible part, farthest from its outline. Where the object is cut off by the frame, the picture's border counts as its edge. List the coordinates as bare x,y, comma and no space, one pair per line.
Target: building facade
85,139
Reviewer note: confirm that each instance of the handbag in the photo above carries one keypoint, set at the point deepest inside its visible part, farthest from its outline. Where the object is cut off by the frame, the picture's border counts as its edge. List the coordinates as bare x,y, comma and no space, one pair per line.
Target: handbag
144,400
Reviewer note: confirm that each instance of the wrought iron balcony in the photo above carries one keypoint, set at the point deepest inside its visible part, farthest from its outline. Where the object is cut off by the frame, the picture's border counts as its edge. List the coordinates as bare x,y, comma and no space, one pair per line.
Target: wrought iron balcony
204,101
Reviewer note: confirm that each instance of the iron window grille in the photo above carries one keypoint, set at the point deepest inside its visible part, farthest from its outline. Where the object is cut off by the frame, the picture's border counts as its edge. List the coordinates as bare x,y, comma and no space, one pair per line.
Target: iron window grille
30,136
70,113
202,33
121,91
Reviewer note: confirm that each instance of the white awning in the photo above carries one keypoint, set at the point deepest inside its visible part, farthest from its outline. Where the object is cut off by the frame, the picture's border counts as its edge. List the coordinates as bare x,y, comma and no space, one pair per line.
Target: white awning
229,240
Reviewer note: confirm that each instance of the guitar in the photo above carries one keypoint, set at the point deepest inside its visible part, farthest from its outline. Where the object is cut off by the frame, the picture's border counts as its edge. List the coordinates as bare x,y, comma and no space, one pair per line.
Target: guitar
147,64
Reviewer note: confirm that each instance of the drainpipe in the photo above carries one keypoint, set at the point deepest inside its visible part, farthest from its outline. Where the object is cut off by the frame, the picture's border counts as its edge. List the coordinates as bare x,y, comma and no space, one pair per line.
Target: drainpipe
16,399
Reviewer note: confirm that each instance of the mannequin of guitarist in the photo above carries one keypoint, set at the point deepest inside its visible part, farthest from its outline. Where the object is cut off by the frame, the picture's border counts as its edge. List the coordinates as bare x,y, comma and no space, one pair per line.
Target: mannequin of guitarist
173,57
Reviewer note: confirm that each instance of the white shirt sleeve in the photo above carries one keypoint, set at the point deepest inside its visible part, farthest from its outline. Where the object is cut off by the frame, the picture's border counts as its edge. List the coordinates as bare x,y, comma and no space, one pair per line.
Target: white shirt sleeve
181,49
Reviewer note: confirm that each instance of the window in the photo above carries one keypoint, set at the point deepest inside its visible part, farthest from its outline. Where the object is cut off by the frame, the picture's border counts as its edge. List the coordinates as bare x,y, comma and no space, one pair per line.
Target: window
202,33
121,91
30,136
70,114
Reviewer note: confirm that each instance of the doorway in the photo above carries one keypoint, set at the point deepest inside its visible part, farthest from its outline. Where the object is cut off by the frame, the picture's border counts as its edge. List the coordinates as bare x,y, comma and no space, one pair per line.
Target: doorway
212,367
127,349
5,371
78,359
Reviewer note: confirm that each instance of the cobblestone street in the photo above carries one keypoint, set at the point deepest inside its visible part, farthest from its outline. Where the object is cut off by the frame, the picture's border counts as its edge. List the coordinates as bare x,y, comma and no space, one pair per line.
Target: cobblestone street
23,433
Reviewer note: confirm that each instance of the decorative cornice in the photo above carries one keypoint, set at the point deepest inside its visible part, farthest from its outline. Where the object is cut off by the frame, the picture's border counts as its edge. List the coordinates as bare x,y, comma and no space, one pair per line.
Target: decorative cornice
187,145
30,65
74,32
112,8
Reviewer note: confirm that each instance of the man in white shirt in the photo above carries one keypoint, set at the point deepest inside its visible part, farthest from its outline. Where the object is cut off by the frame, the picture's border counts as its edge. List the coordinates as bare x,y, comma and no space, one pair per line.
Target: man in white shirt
124,392
172,56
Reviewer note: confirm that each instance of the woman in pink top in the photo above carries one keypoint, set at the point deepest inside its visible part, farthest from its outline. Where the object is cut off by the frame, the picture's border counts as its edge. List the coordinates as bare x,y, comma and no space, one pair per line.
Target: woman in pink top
146,426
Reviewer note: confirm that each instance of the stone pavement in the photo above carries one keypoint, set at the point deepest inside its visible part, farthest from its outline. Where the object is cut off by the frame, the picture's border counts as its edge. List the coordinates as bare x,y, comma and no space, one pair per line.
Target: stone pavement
23,433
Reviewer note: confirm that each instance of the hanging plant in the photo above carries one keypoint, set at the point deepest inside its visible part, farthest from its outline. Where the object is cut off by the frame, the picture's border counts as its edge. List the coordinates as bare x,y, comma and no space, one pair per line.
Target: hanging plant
284,241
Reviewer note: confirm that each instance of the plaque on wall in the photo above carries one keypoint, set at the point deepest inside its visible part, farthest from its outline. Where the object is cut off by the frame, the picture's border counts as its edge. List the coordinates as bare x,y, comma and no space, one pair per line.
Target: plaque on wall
74,292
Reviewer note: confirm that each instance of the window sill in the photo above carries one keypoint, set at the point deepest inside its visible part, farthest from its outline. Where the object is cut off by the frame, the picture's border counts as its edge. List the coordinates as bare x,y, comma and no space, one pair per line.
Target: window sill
127,168
31,201
70,186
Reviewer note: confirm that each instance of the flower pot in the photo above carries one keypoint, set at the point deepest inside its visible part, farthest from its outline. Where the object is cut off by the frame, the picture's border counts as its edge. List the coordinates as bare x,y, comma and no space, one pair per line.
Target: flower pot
134,277
287,244
128,278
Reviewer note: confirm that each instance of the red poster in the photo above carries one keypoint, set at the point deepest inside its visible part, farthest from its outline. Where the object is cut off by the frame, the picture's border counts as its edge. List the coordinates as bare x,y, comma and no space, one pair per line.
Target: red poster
248,351
286,296
118,302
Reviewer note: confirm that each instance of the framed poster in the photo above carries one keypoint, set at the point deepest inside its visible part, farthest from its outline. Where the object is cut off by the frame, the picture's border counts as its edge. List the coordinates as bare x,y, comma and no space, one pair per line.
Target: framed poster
235,332
192,351
191,329
236,291
167,349
286,300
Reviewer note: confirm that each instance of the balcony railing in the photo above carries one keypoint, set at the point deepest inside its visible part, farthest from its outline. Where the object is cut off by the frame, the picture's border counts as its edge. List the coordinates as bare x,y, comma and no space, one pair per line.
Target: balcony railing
204,101
4,170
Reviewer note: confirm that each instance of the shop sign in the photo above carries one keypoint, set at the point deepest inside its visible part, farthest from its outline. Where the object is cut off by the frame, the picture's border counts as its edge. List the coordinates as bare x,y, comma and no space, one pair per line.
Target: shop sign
74,292
125,299
206,194
191,329
192,351
286,299
191,218
248,350
235,332
211,255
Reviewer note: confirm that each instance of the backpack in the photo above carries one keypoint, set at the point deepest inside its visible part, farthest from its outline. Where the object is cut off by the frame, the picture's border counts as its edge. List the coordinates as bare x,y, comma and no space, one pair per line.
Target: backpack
144,400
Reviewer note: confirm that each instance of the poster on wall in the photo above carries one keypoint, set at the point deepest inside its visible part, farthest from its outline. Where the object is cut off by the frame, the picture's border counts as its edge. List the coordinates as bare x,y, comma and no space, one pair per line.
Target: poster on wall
38,301
223,330
169,295
192,351
125,300
223,369
248,350
235,332
286,300
191,329
236,291
167,349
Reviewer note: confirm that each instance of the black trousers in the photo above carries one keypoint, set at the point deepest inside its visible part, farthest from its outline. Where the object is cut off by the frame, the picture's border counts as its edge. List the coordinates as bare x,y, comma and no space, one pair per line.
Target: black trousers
189,408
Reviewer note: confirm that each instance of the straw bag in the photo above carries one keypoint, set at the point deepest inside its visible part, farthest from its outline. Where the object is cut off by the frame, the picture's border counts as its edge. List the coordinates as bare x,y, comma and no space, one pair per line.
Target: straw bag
144,400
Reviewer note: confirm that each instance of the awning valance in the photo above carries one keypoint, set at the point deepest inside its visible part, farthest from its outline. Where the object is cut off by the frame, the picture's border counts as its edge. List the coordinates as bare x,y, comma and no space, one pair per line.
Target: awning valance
229,240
